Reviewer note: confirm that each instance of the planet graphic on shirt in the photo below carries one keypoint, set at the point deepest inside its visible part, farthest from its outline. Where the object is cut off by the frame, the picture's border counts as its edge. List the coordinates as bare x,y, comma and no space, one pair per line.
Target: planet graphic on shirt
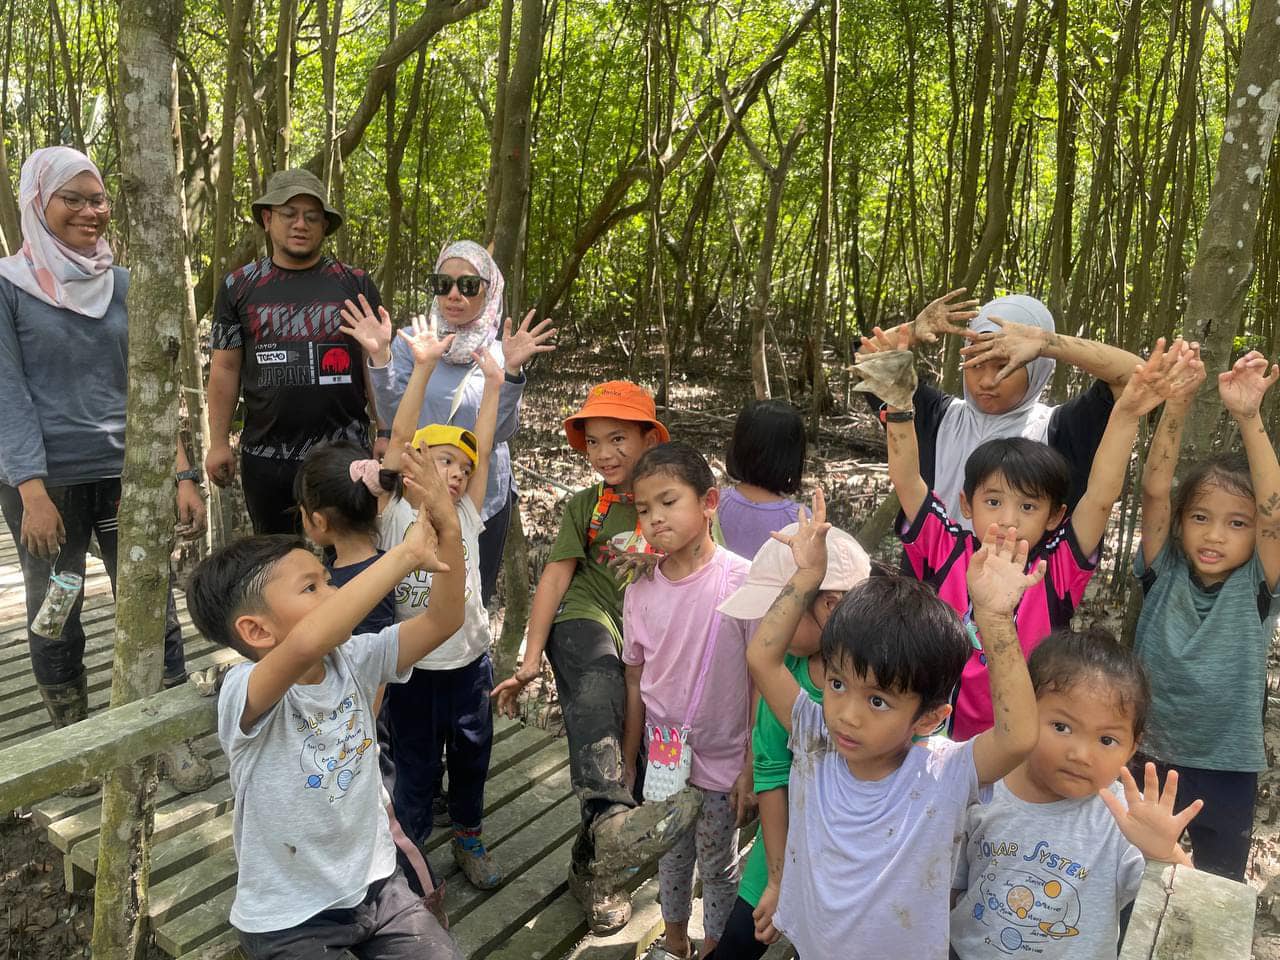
1058,930
1010,938
1020,900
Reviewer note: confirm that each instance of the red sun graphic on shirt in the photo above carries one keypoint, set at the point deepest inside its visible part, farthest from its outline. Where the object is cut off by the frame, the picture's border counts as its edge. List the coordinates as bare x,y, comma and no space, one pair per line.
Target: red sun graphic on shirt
335,360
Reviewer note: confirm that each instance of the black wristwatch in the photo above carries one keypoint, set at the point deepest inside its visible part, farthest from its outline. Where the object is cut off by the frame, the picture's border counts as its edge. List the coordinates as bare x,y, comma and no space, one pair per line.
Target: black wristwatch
898,416
384,434
191,474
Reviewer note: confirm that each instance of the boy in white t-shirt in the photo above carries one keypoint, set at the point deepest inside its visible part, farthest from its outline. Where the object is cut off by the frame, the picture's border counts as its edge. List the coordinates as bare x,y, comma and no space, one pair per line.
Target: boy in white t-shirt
317,866
875,821
441,716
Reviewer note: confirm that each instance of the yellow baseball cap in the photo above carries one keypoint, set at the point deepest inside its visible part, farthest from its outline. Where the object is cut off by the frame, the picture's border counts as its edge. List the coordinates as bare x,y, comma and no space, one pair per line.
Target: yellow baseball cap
437,434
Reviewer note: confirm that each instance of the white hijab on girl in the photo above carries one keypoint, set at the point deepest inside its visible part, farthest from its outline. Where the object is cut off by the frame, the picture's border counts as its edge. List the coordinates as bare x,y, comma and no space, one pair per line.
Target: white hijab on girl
964,427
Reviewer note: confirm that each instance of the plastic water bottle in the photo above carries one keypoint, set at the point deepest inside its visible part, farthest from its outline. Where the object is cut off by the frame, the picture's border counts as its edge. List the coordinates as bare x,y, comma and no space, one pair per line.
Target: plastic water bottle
49,620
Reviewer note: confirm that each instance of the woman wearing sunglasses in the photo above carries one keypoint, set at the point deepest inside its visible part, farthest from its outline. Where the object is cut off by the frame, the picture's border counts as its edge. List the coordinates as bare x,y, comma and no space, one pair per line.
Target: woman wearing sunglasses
467,303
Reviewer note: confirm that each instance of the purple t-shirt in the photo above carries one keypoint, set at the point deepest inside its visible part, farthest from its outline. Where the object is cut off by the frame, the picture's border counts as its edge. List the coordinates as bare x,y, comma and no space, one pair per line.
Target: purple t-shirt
746,526
667,627
939,552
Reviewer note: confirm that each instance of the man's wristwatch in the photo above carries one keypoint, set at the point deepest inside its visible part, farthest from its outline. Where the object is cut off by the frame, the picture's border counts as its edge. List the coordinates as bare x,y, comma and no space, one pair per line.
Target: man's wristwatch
384,434
191,474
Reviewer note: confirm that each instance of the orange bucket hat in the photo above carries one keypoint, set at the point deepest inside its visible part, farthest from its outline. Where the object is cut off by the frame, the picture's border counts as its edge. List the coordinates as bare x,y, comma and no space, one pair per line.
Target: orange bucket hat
619,400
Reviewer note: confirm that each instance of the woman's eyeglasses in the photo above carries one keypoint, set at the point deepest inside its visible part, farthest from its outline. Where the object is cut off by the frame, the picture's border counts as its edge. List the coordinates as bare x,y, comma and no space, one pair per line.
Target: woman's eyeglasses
441,283
75,203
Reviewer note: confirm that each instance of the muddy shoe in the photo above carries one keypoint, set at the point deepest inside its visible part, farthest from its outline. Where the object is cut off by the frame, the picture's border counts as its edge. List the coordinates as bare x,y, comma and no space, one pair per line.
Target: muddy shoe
475,862
608,911
185,769
629,837
658,951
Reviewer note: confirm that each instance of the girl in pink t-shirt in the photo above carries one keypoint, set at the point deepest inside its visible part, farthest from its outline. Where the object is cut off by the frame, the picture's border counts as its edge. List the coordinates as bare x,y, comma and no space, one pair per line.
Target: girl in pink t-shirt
687,686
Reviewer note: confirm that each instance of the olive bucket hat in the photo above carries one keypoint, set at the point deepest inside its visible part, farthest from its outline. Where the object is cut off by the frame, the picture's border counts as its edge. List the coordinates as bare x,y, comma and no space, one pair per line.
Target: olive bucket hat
284,185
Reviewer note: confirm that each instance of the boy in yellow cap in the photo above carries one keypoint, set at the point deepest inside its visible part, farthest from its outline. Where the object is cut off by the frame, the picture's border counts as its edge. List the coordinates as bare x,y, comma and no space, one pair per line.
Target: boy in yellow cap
577,619
442,715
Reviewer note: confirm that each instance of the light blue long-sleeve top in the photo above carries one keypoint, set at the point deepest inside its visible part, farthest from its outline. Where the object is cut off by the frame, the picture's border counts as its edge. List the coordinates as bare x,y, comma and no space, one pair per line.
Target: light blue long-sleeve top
390,381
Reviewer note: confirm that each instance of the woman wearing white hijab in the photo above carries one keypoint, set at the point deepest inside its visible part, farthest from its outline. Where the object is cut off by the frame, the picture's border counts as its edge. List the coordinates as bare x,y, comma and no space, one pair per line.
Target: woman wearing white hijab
467,292
1013,348
63,385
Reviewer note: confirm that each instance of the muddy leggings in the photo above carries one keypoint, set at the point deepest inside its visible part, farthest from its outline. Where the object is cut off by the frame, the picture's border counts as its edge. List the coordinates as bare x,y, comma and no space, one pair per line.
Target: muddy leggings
591,686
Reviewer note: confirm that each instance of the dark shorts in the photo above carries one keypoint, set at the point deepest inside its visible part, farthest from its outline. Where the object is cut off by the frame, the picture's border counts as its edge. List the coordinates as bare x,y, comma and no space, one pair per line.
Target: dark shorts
391,924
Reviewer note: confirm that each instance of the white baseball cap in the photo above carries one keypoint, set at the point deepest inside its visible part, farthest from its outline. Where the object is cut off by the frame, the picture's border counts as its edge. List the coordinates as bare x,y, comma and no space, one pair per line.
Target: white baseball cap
847,566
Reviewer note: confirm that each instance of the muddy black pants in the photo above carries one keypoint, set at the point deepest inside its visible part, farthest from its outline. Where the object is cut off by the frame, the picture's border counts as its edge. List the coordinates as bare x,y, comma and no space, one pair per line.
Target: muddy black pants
88,510
591,684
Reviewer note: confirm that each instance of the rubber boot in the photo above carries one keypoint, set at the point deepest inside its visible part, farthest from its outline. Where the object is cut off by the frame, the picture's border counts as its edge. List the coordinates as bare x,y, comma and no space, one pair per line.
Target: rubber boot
68,703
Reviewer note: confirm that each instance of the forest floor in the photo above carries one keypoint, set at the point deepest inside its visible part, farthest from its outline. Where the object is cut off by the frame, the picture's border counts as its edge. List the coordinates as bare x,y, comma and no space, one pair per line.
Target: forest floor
39,920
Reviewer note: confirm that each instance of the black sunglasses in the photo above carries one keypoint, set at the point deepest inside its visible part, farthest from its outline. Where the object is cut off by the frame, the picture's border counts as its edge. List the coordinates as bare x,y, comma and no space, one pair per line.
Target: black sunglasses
442,283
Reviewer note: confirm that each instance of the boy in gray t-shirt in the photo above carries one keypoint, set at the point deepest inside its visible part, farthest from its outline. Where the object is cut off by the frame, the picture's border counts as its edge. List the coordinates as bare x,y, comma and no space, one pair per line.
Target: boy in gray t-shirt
317,863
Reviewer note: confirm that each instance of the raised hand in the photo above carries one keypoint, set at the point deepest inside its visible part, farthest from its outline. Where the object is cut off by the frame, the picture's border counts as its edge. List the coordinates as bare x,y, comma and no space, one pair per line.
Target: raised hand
1244,385
809,543
524,343
1157,378
372,331
997,575
423,541
948,314
1183,390
423,343
1013,346
1147,819
488,366
424,489
882,342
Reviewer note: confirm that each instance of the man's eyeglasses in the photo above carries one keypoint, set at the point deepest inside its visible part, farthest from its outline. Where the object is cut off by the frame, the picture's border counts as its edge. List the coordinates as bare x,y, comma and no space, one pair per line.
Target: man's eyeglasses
75,203
441,283
312,218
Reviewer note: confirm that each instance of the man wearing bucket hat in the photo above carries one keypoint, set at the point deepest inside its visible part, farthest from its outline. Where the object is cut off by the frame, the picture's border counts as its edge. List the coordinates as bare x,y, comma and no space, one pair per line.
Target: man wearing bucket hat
278,339
773,566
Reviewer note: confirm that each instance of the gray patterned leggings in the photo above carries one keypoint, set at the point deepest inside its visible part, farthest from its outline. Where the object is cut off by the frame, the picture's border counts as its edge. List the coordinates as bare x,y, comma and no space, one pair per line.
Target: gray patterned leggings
712,843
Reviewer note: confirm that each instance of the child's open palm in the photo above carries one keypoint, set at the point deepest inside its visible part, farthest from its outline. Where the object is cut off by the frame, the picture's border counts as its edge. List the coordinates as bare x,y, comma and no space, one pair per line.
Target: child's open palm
488,365
1147,819
1157,378
421,337
809,543
997,575
950,313
1243,386
1184,387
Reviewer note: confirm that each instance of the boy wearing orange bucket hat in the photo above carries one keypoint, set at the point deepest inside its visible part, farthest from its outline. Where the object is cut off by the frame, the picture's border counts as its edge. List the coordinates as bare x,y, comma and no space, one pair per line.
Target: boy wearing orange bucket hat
577,619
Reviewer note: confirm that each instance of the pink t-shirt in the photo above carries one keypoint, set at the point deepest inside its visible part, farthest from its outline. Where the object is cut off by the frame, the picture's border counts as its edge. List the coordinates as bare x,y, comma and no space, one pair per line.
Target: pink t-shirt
939,552
666,627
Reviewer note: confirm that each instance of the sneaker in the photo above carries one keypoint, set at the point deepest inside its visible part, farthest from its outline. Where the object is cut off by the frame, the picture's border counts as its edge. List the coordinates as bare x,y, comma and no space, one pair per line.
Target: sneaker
608,911
184,768
440,811
631,836
480,869
658,951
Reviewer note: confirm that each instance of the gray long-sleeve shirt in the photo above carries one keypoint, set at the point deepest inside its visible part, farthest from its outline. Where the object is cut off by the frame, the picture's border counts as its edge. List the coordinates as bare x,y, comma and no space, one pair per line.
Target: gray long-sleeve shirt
63,385
390,381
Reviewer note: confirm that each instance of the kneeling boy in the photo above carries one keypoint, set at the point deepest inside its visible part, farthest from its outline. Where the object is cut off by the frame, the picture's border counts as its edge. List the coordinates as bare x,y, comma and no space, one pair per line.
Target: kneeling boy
317,863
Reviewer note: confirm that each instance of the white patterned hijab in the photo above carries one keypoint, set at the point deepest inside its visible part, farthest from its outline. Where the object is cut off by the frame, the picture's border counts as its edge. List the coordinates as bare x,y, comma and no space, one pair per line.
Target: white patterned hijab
45,267
483,330
964,427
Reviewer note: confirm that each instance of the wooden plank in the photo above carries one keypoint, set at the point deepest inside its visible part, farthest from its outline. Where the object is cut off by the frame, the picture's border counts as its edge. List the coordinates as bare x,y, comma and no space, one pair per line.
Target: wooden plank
518,853
45,764
514,903
206,922
190,887
173,810
1186,914
224,947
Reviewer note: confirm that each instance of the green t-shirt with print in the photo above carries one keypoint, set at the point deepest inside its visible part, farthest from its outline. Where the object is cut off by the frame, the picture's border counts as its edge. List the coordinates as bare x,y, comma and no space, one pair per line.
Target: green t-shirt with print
594,592
771,770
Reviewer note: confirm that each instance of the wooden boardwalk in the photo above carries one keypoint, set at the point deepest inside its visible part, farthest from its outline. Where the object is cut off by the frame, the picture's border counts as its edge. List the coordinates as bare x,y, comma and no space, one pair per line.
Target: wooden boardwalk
531,817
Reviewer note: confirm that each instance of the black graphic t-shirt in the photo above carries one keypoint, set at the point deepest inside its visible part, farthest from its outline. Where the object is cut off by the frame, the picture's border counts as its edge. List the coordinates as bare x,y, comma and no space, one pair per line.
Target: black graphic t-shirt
302,379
